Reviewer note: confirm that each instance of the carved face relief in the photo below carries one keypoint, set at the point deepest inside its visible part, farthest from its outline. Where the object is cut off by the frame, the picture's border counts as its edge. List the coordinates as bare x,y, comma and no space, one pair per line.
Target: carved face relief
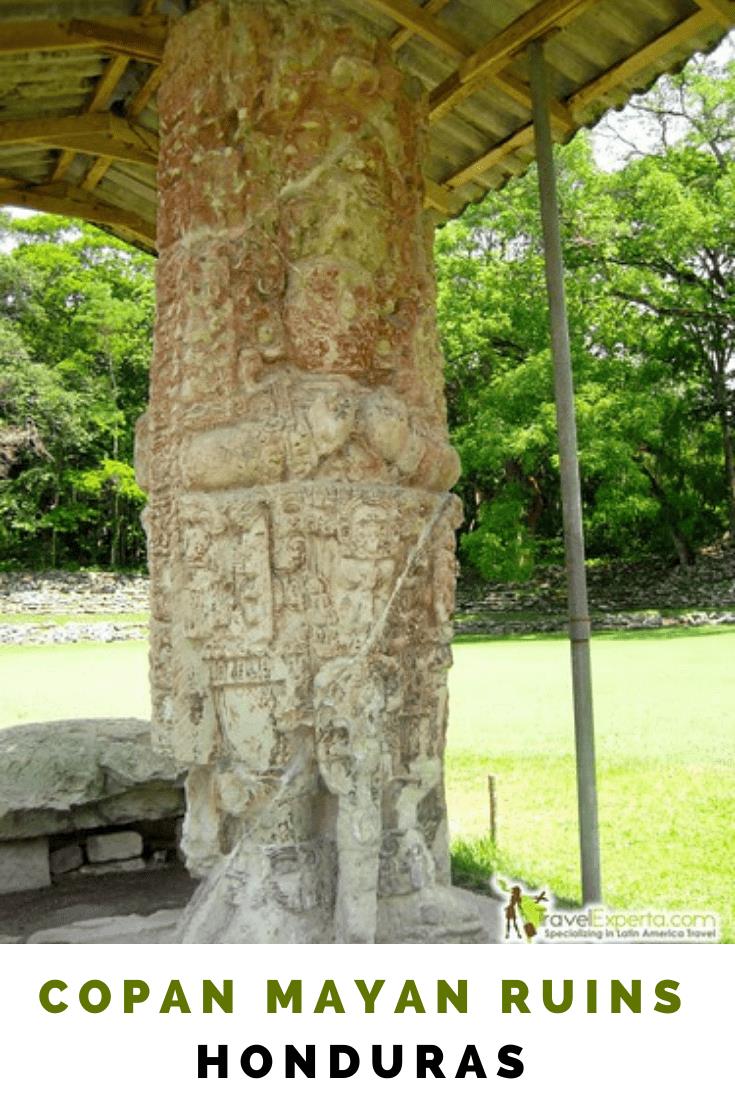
197,542
331,418
294,876
368,531
289,555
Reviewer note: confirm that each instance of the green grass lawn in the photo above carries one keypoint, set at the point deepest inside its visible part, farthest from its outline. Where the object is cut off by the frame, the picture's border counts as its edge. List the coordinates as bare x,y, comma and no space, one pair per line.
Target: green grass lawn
665,710
62,681
665,716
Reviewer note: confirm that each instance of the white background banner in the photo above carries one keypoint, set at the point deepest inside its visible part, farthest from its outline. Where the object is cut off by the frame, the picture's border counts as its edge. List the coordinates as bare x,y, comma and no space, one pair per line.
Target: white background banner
146,1054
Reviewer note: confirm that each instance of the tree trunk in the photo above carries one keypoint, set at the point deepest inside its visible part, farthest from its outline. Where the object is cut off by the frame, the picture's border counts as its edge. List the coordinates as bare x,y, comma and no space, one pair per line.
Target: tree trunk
114,542
684,552
728,452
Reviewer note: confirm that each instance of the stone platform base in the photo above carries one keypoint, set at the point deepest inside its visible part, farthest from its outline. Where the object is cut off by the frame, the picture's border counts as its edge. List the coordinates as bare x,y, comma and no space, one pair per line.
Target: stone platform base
147,908
225,910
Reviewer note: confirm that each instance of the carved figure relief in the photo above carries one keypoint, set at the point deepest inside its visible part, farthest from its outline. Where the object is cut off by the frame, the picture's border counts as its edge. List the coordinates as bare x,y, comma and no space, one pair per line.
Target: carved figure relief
300,528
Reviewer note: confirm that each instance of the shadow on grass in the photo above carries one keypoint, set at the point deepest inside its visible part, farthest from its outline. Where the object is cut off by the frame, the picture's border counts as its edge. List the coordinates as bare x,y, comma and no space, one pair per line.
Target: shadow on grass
600,633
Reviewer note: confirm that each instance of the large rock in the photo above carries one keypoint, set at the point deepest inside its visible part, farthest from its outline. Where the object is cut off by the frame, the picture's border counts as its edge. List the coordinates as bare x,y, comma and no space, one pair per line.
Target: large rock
81,774
24,865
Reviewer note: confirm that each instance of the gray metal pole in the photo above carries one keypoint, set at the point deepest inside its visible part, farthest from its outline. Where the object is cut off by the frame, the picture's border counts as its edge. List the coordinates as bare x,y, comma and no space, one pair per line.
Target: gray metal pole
579,620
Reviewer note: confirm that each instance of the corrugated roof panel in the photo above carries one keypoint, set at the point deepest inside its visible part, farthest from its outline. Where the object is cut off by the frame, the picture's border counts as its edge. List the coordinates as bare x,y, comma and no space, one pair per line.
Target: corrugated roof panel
598,57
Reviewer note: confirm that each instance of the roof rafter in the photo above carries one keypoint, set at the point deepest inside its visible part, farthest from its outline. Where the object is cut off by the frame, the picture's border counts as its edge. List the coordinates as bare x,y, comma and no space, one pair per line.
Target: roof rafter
141,37
99,101
106,137
516,141
603,84
439,197
402,36
481,66
61,198
561,117
419,21
99,134
722,10
629,66
140,99
144,93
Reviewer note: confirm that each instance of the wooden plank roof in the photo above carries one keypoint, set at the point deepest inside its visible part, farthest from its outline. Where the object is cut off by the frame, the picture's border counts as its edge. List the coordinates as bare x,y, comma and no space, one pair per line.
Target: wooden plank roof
78,80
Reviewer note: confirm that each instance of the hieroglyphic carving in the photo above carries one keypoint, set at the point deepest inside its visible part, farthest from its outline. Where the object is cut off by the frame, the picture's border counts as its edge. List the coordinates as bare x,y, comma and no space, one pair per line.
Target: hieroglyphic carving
301,533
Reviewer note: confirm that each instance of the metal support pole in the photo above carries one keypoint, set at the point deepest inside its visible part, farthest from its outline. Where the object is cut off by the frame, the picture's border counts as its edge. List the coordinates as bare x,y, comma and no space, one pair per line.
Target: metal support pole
579,620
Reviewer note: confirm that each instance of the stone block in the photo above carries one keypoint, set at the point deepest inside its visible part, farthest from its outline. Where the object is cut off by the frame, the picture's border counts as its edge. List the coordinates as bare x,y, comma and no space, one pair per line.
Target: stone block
24,865
66,859
119,846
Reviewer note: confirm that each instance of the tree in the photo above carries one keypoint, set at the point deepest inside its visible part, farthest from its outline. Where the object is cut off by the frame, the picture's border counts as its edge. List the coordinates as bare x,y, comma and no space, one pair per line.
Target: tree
675,240
649,257
76,314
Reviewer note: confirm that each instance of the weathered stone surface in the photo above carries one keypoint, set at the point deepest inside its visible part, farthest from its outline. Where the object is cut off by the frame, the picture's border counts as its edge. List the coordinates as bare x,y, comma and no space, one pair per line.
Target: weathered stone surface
296,452
81,774
66,859
24,865
117,846
71,592
136,929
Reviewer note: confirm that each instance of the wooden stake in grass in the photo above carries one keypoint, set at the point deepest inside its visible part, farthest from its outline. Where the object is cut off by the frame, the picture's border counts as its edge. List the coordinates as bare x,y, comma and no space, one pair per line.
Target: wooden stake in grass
491,791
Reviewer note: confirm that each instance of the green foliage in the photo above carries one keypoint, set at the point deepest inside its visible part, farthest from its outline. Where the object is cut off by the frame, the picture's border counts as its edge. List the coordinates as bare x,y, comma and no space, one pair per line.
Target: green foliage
76,316
650,258
500,547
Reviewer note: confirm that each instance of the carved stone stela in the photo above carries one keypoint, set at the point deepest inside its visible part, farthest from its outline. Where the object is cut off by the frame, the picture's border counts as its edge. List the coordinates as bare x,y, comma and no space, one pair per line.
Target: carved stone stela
300,529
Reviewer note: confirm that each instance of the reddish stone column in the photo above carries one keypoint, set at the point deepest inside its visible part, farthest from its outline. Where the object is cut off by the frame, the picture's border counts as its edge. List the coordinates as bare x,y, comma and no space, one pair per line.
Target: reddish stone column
301,532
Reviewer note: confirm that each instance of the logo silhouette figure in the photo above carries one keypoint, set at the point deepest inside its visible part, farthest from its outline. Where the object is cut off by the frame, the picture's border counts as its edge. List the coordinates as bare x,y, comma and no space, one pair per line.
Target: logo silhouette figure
528,907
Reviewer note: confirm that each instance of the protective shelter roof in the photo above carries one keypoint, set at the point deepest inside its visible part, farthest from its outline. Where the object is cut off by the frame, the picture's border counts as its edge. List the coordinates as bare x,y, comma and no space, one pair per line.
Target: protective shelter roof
78,80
